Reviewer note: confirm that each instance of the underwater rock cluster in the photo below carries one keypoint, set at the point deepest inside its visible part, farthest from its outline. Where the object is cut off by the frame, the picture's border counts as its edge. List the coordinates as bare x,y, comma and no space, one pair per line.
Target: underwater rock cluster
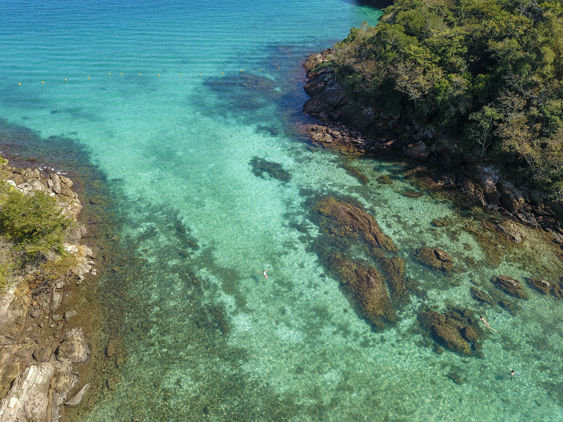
456,330
376,287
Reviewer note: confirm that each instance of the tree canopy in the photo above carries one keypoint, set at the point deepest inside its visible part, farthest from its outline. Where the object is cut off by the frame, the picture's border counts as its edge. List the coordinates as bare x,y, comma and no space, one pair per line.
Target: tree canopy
487,71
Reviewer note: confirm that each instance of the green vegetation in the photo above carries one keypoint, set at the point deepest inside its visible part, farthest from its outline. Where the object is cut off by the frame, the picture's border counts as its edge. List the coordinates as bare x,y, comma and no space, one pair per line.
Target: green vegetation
486,71
34,221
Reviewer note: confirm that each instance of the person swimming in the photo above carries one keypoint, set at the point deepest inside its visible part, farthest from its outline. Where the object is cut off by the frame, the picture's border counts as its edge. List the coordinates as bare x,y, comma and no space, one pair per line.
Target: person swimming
264,272
487,324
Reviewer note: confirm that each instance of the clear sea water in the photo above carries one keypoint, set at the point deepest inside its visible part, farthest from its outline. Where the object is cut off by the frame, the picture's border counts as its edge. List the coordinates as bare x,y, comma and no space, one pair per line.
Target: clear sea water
207,337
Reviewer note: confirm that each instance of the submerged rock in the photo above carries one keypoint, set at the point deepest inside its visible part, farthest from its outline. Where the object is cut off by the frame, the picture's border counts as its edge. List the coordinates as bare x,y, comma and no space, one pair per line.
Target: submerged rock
542,286
509,229
394,269
546,287
435,258
274,170
367,288
480,296
510,286
447,331
348,220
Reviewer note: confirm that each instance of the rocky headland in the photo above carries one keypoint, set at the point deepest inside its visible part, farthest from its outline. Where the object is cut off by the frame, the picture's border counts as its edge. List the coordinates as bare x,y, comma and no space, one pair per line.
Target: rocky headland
348,127
41,346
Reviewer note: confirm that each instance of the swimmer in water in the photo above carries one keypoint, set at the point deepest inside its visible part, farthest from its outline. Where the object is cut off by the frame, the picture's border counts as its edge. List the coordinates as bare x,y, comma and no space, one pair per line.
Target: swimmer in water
264,272
487,324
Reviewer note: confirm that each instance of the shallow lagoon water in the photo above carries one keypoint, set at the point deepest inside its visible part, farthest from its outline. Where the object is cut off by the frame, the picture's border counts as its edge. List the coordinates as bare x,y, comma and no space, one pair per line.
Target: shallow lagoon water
207,337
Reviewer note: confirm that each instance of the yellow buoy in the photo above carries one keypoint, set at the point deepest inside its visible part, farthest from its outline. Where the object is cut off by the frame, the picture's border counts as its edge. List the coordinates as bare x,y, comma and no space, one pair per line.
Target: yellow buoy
66,80
221,73
278,67
88,77
159,74
42,82
200,74
19,83
139,74
109,74
121,73
180,74
241,71
260,69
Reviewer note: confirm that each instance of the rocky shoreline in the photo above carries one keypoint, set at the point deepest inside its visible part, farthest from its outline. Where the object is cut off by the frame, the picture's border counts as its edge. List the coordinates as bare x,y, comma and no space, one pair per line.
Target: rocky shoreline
41,346
349,127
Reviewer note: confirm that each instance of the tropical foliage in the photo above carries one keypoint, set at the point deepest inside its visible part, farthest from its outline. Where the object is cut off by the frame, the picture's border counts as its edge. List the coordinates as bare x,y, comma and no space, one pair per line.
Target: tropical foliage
488,71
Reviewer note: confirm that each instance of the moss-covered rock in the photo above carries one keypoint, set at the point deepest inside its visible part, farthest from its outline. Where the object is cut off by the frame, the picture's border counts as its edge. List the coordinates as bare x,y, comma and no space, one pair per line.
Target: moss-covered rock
435,258
510,286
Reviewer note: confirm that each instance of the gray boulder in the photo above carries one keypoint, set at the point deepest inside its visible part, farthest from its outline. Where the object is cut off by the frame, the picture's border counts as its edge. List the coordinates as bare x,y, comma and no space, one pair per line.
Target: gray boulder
28,399
74,348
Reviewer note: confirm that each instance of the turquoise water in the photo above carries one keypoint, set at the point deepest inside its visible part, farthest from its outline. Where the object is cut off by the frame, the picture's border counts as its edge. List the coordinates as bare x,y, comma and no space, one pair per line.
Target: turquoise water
207,337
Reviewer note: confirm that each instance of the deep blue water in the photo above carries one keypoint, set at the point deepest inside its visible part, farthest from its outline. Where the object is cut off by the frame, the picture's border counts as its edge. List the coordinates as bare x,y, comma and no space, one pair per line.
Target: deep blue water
207,337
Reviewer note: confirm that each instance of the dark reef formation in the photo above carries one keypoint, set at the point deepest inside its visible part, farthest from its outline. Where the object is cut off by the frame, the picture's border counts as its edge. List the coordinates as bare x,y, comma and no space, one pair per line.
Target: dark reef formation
376,287
456,330
260,167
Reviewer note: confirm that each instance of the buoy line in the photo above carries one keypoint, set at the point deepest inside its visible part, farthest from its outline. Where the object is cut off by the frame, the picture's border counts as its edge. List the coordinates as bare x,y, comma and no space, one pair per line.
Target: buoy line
109,74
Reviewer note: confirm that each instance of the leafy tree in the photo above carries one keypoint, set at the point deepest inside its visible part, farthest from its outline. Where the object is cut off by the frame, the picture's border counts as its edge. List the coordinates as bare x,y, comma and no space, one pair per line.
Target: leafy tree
491,70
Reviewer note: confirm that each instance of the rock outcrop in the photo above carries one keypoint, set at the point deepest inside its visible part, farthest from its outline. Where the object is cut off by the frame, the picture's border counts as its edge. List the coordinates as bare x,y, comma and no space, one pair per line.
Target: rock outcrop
36,361
348,126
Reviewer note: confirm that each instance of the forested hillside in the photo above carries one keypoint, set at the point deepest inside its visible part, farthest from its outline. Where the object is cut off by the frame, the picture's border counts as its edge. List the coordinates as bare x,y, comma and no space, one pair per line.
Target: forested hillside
488,72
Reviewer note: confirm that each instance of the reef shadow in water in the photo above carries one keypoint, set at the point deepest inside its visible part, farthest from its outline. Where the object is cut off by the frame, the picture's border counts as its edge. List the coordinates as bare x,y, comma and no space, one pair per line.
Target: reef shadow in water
260,167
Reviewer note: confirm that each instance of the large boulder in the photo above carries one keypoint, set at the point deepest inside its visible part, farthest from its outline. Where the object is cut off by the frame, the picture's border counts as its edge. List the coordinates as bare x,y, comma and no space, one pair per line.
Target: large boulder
418,151
74,348
446,331
8,373
28,399
487,177
511,198
510,286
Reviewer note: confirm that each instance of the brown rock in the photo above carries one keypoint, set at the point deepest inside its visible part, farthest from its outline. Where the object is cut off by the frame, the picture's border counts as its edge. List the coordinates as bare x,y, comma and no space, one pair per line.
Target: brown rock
510,286
542,286
370,293
435,258
350,221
